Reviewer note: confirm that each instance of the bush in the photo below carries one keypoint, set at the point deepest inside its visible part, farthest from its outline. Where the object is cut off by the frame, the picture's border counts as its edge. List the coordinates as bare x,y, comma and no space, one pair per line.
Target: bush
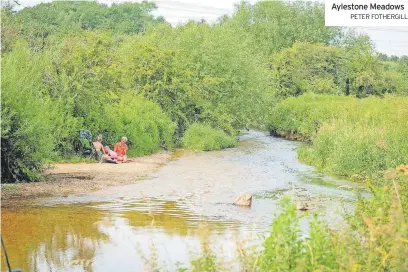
322,69
204,137
28,117
41,116
142,121
305,67
283,247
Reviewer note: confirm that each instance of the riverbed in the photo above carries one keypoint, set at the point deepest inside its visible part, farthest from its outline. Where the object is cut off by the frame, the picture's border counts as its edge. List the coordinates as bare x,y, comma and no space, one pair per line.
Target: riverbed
114,229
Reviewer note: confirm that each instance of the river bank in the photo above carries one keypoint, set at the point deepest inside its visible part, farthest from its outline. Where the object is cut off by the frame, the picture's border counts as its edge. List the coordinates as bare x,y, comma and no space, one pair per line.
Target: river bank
76,178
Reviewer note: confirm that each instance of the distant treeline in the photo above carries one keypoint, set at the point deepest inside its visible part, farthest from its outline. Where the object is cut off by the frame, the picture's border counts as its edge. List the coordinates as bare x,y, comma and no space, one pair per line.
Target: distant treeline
118,70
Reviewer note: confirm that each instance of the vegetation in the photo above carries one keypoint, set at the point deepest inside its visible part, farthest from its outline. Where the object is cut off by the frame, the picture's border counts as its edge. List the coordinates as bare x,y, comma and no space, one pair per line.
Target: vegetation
119,70
350,137
318,68
87,60
28,125
110,68
196,73
36,24
373,245
142,121
276,25
204,137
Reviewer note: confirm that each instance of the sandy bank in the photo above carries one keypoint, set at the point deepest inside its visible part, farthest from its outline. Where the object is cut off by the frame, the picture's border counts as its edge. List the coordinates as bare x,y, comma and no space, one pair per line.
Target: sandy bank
64,179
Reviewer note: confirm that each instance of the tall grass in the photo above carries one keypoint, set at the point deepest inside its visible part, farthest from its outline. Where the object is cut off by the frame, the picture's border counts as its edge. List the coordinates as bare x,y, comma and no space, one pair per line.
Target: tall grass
350,136
204,138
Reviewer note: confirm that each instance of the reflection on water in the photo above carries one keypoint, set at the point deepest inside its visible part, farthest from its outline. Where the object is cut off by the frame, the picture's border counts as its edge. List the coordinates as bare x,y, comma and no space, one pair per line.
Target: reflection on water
49,239
90,238
111,230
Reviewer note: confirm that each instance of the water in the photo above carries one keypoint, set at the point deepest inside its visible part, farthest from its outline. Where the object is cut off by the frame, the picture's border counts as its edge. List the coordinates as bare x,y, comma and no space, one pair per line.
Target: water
113,229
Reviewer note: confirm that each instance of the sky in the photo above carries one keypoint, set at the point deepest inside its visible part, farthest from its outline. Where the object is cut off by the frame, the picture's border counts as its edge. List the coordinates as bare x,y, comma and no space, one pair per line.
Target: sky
388,40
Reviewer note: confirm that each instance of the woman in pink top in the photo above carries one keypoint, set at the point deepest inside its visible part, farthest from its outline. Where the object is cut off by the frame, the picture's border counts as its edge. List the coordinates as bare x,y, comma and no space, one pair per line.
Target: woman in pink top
111,153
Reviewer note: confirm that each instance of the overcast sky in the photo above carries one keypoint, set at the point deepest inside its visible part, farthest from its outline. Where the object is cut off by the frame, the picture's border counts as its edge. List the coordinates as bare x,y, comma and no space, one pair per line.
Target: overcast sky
388,40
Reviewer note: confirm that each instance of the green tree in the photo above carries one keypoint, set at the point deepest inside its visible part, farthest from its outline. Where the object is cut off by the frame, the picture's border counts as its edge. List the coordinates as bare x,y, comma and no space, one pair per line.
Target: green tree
196,74
275,25
28,116
309,67
38,22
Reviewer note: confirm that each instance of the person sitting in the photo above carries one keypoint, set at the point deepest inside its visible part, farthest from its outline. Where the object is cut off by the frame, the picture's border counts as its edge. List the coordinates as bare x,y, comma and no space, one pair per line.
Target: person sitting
100,151
121,149
112,154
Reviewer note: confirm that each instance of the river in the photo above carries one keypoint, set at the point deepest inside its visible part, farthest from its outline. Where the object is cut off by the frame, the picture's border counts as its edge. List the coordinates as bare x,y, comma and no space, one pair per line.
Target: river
115,228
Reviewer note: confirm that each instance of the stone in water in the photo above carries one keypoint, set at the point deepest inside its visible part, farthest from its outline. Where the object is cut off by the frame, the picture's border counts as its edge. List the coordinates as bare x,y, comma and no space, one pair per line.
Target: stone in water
302,206
244,200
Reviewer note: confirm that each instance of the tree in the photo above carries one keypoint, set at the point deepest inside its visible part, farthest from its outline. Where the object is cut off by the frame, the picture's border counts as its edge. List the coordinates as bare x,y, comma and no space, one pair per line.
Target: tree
306,67
274,25
28,116
38,22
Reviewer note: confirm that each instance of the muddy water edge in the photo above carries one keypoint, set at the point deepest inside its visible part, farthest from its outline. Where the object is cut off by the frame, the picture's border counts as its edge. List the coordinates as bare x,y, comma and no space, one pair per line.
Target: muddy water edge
114,229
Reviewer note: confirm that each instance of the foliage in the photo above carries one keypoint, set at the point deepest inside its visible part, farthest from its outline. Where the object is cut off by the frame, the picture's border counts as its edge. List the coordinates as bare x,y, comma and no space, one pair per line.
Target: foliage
141,121
117,70
73,85
403,65
386,192
283,247
366,74
275,25
28,116
204,137
38,22
9,28
78,72
308,68
349,136
196,74
378,243
318,68
206,261
286,250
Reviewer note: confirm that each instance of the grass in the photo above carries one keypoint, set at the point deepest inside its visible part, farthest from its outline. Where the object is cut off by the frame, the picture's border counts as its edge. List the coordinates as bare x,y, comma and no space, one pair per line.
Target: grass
350,137
202,137
74,159
10,187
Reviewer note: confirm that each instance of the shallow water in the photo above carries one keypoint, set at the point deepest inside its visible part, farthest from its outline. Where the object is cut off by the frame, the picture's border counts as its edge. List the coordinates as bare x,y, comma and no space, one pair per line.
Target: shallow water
113,229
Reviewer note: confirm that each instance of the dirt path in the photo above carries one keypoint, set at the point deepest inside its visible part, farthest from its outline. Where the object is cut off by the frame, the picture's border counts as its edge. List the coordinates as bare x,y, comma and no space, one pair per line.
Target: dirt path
69,178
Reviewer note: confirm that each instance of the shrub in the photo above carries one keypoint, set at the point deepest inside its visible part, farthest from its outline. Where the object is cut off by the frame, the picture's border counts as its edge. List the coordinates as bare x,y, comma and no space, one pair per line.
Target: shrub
204,137
28,117
142,121
283,247
308,67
